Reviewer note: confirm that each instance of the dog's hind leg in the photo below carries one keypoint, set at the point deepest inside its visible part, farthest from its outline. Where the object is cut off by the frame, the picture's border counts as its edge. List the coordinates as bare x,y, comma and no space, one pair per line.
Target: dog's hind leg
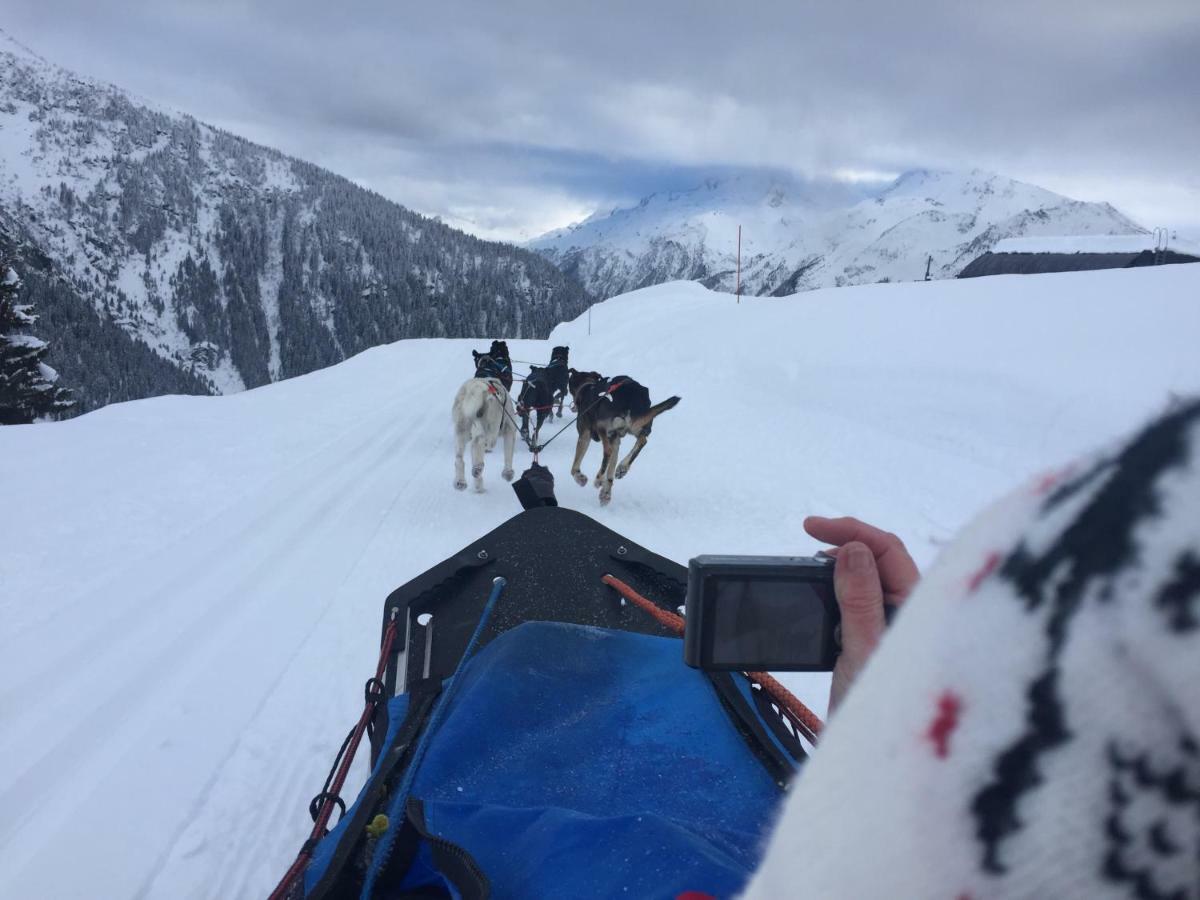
623,468
460,442
580,449
510,440
478,443
604,478
609,446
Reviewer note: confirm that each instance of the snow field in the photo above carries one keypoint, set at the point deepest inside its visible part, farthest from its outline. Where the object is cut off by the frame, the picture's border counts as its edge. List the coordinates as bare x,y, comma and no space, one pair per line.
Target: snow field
191,587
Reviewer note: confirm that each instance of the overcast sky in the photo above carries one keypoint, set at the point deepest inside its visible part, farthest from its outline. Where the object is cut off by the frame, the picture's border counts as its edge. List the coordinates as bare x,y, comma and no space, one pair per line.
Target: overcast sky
510,117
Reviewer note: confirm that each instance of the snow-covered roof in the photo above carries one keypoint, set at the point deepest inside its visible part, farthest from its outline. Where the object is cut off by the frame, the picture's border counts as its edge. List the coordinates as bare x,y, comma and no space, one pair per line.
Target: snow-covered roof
1089,243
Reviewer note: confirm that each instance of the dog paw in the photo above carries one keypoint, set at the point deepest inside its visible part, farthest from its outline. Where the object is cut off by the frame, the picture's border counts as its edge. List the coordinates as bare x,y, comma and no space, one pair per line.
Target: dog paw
599,481
580,479
476,471
507,474
605,495
460,485
622,471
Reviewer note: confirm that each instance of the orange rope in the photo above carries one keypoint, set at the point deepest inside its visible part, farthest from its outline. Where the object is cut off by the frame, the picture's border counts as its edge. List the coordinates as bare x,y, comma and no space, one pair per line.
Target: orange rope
806,721
800,714
669,620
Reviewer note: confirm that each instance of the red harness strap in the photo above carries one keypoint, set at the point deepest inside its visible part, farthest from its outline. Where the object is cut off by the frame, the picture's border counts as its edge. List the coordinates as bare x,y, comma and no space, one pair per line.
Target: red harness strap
321,819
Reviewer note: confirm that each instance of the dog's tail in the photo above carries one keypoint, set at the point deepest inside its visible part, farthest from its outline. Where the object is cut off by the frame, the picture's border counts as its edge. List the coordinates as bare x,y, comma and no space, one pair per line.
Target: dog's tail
649,415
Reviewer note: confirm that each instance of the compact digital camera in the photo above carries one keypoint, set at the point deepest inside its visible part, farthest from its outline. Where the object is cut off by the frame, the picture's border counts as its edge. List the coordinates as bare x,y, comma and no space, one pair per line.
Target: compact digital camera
761,613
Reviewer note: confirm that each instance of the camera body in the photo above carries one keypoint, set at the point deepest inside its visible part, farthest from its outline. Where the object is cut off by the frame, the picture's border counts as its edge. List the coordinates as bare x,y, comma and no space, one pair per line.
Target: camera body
761,613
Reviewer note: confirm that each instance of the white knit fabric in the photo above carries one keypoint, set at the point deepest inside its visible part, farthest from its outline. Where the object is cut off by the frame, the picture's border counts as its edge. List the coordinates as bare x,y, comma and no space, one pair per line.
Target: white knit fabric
1029,727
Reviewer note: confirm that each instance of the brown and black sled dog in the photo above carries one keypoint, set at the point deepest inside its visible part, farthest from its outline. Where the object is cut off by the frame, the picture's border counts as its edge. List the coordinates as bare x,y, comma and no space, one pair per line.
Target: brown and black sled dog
609,409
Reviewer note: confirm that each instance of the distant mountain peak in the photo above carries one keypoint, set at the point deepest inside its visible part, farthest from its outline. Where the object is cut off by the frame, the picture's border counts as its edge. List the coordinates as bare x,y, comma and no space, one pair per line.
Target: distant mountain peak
799,234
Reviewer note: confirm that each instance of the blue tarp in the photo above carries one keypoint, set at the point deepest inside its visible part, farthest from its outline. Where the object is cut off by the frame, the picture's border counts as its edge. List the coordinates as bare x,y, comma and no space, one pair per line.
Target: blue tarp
571,761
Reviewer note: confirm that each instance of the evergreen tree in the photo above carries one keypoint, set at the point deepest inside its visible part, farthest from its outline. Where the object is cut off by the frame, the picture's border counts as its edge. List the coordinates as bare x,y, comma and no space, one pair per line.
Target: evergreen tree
27,385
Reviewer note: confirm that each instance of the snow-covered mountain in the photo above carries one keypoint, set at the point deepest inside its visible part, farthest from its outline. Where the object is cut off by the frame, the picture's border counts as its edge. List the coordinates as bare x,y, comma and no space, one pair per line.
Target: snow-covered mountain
185,639
148,237
798,235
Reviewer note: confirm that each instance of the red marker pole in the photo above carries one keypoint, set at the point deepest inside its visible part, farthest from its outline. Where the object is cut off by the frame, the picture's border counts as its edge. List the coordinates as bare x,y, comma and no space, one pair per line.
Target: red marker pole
739,265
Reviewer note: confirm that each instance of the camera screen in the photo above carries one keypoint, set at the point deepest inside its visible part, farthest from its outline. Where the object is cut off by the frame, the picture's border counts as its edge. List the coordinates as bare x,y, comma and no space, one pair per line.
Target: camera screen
770,622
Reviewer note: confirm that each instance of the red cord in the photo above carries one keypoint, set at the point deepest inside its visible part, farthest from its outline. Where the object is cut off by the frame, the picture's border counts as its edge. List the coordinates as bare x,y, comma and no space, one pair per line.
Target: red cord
335,786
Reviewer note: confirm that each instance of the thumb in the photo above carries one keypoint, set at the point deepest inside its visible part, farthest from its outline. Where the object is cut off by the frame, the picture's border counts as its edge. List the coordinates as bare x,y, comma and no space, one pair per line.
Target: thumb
860,598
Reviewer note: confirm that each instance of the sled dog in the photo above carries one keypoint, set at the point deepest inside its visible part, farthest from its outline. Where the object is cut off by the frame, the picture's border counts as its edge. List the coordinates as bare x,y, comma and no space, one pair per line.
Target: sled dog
482,413
498,365
609,409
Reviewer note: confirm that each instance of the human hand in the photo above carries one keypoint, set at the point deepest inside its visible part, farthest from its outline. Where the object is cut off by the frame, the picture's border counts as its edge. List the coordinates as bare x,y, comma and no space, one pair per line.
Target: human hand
873,567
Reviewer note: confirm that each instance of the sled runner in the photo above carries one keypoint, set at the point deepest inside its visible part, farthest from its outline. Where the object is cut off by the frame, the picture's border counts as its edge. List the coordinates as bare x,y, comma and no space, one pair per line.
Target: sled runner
533,736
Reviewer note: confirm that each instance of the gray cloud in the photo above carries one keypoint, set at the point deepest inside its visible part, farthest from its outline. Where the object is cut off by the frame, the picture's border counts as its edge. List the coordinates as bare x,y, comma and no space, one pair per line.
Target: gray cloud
513,117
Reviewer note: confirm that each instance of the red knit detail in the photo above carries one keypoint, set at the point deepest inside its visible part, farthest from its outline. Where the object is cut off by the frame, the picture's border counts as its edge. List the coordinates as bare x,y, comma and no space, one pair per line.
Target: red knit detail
944,723
1051,480
988,567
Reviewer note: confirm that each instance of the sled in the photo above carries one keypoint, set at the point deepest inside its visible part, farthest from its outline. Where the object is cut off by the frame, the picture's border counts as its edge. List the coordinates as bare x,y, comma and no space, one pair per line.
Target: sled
532,735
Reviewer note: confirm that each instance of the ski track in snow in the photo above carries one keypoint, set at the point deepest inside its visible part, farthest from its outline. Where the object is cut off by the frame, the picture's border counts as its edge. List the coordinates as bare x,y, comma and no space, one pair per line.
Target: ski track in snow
192,587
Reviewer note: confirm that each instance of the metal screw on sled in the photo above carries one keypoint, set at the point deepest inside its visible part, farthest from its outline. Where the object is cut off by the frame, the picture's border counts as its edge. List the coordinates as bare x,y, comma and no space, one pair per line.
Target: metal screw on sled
482,554
621,551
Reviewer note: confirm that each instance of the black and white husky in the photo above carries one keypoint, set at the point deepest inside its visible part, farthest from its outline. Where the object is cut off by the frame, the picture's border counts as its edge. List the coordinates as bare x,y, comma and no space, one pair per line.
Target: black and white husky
482,414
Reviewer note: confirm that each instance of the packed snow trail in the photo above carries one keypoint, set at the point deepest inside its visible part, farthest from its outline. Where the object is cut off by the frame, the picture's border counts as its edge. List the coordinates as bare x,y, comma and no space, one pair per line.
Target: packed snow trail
191,587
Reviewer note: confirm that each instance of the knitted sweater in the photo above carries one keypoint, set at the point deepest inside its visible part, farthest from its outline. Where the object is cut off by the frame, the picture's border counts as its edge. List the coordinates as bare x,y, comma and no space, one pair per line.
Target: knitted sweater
1030,726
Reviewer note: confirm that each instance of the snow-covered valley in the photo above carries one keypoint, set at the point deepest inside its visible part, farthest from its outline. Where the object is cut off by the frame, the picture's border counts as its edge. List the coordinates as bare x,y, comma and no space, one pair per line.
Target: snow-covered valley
191,586
169,256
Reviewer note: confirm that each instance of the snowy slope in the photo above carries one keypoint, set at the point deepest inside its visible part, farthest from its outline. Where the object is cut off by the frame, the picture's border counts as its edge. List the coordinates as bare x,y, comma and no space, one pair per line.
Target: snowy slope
186,637
233,262
799,235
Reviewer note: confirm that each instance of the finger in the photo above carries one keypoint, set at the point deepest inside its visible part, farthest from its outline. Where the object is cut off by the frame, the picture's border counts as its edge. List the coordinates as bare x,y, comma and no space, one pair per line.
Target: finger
860,598
896,567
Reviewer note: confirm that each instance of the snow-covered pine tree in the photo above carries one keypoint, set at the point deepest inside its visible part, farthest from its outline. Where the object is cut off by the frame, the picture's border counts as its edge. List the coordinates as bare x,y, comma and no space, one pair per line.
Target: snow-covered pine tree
28,388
